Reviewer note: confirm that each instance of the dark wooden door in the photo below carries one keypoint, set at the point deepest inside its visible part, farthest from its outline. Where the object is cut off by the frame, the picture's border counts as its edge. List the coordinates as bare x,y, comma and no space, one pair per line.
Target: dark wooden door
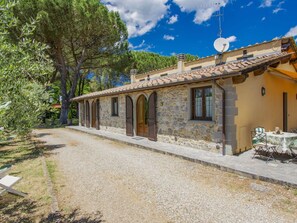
285,111
87,114
129,116
82,113
152,117
97,114
94,114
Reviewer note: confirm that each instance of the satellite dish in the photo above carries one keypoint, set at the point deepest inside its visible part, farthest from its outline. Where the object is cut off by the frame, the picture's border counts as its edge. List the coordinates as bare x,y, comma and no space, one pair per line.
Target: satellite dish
221,44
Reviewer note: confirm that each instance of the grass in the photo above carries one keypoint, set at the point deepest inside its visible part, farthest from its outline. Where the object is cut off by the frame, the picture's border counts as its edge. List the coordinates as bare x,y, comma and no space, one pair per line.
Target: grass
52,169
25,158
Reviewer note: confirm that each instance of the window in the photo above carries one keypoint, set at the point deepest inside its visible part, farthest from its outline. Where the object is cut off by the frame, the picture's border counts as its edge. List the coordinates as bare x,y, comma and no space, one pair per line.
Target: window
114,107
202,103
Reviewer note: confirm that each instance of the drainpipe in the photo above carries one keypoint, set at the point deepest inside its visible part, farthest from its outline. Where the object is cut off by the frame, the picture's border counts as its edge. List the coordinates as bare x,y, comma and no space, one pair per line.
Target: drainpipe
224,118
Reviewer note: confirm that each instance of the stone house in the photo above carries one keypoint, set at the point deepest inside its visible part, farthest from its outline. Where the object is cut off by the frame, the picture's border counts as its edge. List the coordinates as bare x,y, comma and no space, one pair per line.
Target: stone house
211,103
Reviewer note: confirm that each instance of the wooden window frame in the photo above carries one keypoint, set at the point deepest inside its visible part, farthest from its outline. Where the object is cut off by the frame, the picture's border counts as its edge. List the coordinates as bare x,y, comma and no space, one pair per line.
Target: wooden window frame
113,112
193,104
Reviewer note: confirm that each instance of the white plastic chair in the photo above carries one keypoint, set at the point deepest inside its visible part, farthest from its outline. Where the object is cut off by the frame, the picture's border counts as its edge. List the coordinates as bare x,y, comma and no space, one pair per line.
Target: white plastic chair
6,184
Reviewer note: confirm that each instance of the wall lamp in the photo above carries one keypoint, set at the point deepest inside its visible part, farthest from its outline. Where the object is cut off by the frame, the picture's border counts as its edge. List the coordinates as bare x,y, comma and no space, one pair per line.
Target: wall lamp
263,91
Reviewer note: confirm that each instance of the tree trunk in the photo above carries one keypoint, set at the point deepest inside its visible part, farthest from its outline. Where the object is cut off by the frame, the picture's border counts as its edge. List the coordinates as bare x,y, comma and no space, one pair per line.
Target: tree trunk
64,111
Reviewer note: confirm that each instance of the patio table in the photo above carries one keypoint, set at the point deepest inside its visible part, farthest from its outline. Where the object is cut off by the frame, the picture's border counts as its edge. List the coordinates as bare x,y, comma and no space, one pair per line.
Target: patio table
283,140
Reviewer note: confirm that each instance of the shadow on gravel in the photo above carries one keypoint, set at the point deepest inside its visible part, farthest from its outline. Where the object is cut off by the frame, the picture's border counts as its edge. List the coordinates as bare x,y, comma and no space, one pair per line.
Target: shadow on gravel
40,135
74,217
22,210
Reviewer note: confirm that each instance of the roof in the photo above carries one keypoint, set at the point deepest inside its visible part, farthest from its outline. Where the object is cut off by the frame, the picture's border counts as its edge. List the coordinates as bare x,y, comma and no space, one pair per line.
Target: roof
233,68
288,73
276,40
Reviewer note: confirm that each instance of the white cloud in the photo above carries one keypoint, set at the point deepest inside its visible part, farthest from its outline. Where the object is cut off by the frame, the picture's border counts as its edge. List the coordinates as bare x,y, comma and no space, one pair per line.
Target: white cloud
231,39
249,4
266,3
173,19
263,18
143,46
278,8
168,37
140,17
292,32
275,11
203,9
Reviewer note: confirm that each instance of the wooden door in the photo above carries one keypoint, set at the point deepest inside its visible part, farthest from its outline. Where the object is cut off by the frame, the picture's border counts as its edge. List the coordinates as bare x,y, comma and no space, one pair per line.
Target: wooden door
285,111
82,113
87,114
94,114
97,114
152,117
129,116
142,116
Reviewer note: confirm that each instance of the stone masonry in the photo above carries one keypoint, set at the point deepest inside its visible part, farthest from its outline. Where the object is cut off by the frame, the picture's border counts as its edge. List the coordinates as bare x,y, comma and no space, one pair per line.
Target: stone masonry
173,117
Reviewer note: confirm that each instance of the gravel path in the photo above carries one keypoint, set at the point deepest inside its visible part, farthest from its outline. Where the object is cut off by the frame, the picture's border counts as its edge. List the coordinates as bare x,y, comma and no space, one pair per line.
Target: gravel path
128,184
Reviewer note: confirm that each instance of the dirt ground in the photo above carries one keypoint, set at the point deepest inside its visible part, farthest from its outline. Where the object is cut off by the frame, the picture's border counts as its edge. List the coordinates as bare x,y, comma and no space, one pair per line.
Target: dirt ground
120,183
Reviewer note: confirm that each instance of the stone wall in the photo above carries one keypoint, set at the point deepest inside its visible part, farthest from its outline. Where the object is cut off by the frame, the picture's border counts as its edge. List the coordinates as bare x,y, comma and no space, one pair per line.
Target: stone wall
111,123
174,119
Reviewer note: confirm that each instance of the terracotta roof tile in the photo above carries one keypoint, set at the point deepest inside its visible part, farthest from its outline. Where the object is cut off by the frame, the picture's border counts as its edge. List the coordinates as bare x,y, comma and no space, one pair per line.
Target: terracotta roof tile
212,72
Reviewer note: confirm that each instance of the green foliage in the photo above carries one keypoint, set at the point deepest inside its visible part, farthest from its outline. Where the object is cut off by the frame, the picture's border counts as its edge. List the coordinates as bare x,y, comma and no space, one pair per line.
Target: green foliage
81,35
23,66
147,61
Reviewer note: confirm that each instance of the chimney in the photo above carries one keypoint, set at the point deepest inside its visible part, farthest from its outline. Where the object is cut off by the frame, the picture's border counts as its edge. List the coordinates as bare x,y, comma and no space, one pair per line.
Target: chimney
180,63
133,72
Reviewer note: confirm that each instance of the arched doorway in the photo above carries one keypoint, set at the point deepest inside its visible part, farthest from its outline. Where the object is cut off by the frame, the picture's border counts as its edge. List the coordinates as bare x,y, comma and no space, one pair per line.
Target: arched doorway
129,116
87,114
97,114
82,113
94,114
142,116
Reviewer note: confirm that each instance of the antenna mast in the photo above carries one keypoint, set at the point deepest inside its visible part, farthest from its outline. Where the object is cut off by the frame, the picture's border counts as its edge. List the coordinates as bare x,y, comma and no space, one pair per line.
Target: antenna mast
220,15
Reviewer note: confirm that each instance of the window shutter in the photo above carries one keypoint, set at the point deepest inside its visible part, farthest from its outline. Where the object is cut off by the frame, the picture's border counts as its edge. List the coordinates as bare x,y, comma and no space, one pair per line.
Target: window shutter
97,114
152,117
129,116
88,114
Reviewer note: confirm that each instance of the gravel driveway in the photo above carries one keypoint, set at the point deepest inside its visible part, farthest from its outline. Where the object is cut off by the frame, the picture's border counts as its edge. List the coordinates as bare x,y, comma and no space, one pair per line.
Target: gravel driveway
128,184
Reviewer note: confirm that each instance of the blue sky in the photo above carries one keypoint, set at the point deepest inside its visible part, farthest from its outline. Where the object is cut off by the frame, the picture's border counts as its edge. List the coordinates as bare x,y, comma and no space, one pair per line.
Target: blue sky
190,26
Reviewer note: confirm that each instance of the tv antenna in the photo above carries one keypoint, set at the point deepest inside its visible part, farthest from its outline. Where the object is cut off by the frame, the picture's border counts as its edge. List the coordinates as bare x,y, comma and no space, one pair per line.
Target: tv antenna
220,15
220,44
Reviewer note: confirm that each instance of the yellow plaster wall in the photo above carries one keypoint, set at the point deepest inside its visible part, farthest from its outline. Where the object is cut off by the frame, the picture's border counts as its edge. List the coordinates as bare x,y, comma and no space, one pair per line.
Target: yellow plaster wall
267,111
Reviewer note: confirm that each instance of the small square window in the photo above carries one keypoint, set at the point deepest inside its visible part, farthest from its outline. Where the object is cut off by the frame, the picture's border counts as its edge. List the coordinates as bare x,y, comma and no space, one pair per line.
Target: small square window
114,107
202,103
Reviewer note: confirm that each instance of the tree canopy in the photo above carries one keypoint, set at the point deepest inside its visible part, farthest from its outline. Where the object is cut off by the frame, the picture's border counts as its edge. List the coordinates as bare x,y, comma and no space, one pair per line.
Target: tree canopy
23,68
147,61
81,35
